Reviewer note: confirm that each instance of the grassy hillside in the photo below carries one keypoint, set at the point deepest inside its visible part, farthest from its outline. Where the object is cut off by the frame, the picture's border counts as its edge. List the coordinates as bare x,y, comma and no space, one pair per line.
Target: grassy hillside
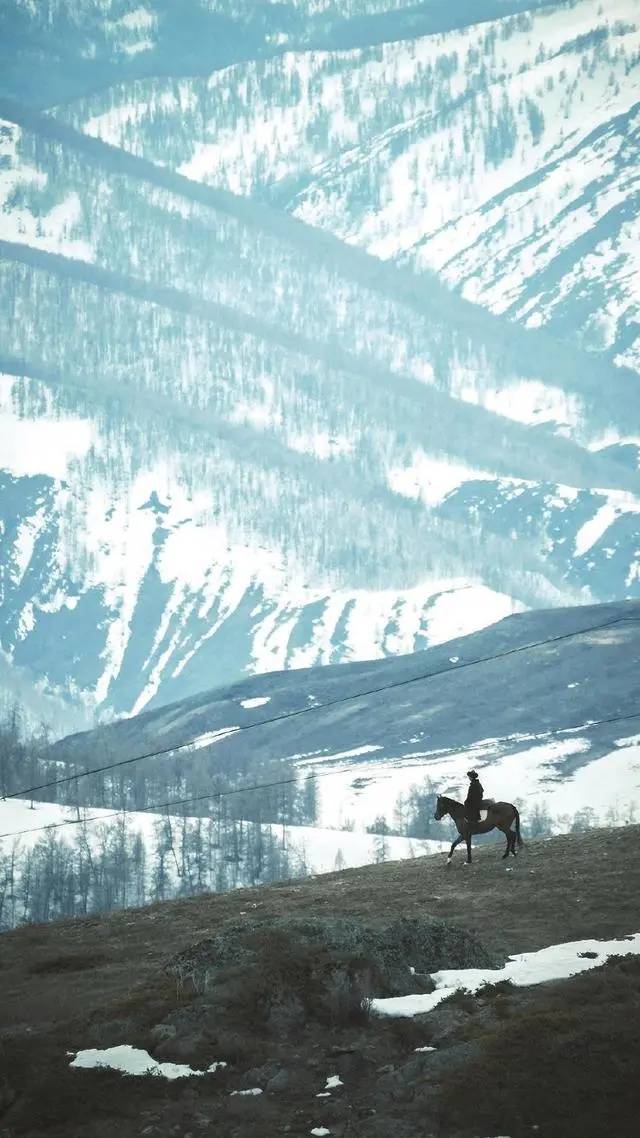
101,982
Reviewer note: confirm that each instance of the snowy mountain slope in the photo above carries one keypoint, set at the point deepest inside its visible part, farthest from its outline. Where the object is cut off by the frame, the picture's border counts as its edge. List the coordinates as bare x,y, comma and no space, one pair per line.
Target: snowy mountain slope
502,155
430,334
56,49
542,704
232,442
203,478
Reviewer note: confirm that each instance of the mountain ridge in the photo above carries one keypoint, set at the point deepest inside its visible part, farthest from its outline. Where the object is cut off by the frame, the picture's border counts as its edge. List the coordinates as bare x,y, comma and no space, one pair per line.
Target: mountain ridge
253,445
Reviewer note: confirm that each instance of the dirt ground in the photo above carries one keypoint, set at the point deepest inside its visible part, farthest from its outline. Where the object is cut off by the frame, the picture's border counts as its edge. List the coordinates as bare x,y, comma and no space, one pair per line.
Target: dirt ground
100,981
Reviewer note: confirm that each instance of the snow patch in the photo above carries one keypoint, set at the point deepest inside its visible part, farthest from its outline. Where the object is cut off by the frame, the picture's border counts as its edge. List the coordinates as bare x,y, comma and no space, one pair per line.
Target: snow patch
210,737
432,479
46,446
558,962
134,1061
618,502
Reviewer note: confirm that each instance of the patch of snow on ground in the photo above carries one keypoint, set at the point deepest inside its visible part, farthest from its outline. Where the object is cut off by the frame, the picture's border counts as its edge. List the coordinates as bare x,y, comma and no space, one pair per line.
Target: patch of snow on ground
252,1091
432,479
134,1061
333,1081
43,446
557,962
354,753
531,401
256,701
466,610
210,737
628,741
139,19
618,503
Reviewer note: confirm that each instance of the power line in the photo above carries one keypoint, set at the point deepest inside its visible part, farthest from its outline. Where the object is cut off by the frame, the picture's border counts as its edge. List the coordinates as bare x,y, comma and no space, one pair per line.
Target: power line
27,792
218,794
159,806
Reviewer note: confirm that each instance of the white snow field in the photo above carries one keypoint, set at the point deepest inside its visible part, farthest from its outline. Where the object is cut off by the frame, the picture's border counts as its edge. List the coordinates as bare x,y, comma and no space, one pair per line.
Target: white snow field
557,962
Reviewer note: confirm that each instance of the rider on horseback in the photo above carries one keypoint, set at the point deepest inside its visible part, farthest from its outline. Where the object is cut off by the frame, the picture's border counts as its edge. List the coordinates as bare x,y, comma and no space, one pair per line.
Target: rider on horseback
474,798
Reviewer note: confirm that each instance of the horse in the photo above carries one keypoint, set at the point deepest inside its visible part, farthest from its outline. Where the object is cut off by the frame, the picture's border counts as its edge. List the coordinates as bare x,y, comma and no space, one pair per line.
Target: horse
500,815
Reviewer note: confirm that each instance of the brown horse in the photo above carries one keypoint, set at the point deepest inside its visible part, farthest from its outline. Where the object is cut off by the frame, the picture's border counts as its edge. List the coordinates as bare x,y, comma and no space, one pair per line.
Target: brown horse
500,815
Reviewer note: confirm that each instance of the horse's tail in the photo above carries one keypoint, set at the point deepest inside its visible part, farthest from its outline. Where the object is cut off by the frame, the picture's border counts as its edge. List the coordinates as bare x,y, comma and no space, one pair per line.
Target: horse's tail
518,834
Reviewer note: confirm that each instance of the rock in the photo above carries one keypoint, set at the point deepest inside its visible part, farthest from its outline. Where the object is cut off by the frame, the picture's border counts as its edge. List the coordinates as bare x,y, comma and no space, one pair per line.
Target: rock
259,1076
438,1061
353,1066
280,1081
391,1085
163,1031
446,1022
187,1049
111,1033
7,1094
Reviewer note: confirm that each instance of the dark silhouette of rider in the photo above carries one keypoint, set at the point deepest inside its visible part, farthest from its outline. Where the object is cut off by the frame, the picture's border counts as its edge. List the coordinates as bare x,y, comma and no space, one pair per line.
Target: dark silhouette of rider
473,801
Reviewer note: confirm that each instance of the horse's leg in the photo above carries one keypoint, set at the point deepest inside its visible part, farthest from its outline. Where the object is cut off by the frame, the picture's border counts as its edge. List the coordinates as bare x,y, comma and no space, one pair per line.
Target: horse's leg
453,846
507,834
468,840
513,843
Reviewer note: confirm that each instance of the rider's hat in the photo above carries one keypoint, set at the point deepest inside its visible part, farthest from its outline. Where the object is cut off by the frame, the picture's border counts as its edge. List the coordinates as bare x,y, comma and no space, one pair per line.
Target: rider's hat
472,774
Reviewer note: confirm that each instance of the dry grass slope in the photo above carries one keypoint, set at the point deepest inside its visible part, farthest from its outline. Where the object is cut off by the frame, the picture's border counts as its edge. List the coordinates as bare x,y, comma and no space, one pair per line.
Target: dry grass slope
562,1057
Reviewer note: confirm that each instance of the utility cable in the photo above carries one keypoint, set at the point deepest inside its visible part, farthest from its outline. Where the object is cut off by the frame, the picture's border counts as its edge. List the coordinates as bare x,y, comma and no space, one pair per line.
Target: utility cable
223,732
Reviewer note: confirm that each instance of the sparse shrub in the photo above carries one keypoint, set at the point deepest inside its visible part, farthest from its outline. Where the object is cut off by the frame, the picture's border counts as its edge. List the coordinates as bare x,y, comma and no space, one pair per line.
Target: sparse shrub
461,999
285,1014
501,988
347,997
408,1032
279,971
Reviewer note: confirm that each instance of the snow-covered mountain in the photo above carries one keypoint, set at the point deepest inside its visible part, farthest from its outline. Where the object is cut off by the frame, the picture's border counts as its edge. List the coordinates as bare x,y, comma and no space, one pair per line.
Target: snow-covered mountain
501,154
235,442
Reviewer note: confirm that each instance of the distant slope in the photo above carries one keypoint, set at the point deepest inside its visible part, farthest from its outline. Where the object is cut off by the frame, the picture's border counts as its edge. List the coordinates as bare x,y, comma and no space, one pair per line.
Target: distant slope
542,704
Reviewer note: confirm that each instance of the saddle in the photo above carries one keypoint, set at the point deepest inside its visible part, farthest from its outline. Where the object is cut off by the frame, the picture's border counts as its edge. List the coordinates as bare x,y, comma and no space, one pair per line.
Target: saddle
485,806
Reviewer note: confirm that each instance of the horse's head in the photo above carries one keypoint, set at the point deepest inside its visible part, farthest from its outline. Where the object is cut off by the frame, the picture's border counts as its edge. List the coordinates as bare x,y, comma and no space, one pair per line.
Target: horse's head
441,808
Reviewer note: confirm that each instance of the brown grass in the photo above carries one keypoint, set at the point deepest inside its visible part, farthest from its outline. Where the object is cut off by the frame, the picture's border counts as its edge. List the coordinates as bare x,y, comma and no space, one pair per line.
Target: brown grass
72,962
563,1057
566,1062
